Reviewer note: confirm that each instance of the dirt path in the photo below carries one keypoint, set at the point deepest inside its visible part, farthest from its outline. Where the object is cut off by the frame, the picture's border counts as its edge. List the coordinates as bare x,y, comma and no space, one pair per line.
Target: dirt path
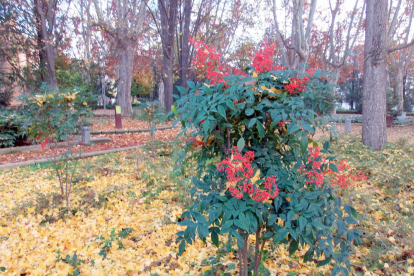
394,134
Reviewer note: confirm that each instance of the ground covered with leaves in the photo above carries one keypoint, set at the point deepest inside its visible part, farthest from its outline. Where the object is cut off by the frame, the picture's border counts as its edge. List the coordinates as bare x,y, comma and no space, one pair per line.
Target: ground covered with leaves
123,216
117,140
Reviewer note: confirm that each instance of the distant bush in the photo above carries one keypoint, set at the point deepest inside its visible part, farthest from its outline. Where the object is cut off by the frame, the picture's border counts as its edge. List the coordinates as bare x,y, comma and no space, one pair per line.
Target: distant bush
108,106
406,121
341,118
346,111
10,128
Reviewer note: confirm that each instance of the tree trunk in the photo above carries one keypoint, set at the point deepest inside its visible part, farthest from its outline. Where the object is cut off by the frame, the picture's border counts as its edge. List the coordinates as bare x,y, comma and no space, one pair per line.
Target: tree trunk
46,12
161,93
374,132
168,16
333,79
184,52
40,44
124,99
167,78
399,88
50,55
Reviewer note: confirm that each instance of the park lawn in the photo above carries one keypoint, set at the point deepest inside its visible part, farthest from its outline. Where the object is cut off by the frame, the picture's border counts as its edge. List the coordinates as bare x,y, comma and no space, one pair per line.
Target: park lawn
123,218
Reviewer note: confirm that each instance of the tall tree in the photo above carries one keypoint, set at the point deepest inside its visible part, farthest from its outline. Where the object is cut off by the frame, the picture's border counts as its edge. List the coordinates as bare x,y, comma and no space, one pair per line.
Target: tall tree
342,36
183,36
294,48
399,33
374,132
123,23
45,11
166,28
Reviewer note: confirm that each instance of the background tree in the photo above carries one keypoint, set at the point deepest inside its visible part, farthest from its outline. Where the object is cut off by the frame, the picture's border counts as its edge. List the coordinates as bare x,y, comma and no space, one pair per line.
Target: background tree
342,35
45,12
400,59
374,132
294,47
123,23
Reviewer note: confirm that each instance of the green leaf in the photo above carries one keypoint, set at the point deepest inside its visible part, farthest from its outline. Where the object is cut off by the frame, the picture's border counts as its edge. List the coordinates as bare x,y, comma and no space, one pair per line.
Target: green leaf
222,112
242,222
152,130
293,246
174,109
181,248
312,195
292,127
326,145
240,144
350,211
181,89
260,128
318,224
280,235
333,167
350,220
2,269
324,262
249,111
230,267
251,123
267,235
206,126
226,227
350,236
290,216
272,219
303,144
191,84
215,238
230,104
339,269
302,222
240,240
341,226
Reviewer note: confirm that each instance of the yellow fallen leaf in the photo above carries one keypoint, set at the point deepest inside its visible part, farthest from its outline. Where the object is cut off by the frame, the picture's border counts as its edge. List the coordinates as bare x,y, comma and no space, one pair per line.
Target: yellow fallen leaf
276,91
255,75
255,177
31,210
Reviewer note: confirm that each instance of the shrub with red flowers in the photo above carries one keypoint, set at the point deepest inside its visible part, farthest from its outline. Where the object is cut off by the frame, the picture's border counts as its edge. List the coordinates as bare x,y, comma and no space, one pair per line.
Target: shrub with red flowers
296,85
207,63
194,143
338,174
263,58
239,173
260,173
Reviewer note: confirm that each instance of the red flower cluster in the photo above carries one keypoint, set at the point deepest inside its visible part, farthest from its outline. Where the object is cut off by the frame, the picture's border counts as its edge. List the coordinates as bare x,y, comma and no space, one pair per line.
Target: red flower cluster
207,64
195,143
296,85
344,178
239,172
263,59
310,71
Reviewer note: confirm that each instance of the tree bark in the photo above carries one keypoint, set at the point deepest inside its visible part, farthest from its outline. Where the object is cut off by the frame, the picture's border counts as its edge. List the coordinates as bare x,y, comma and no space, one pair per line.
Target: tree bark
374,132
296,52
399,87
46,11
126,58
168,15
184,51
